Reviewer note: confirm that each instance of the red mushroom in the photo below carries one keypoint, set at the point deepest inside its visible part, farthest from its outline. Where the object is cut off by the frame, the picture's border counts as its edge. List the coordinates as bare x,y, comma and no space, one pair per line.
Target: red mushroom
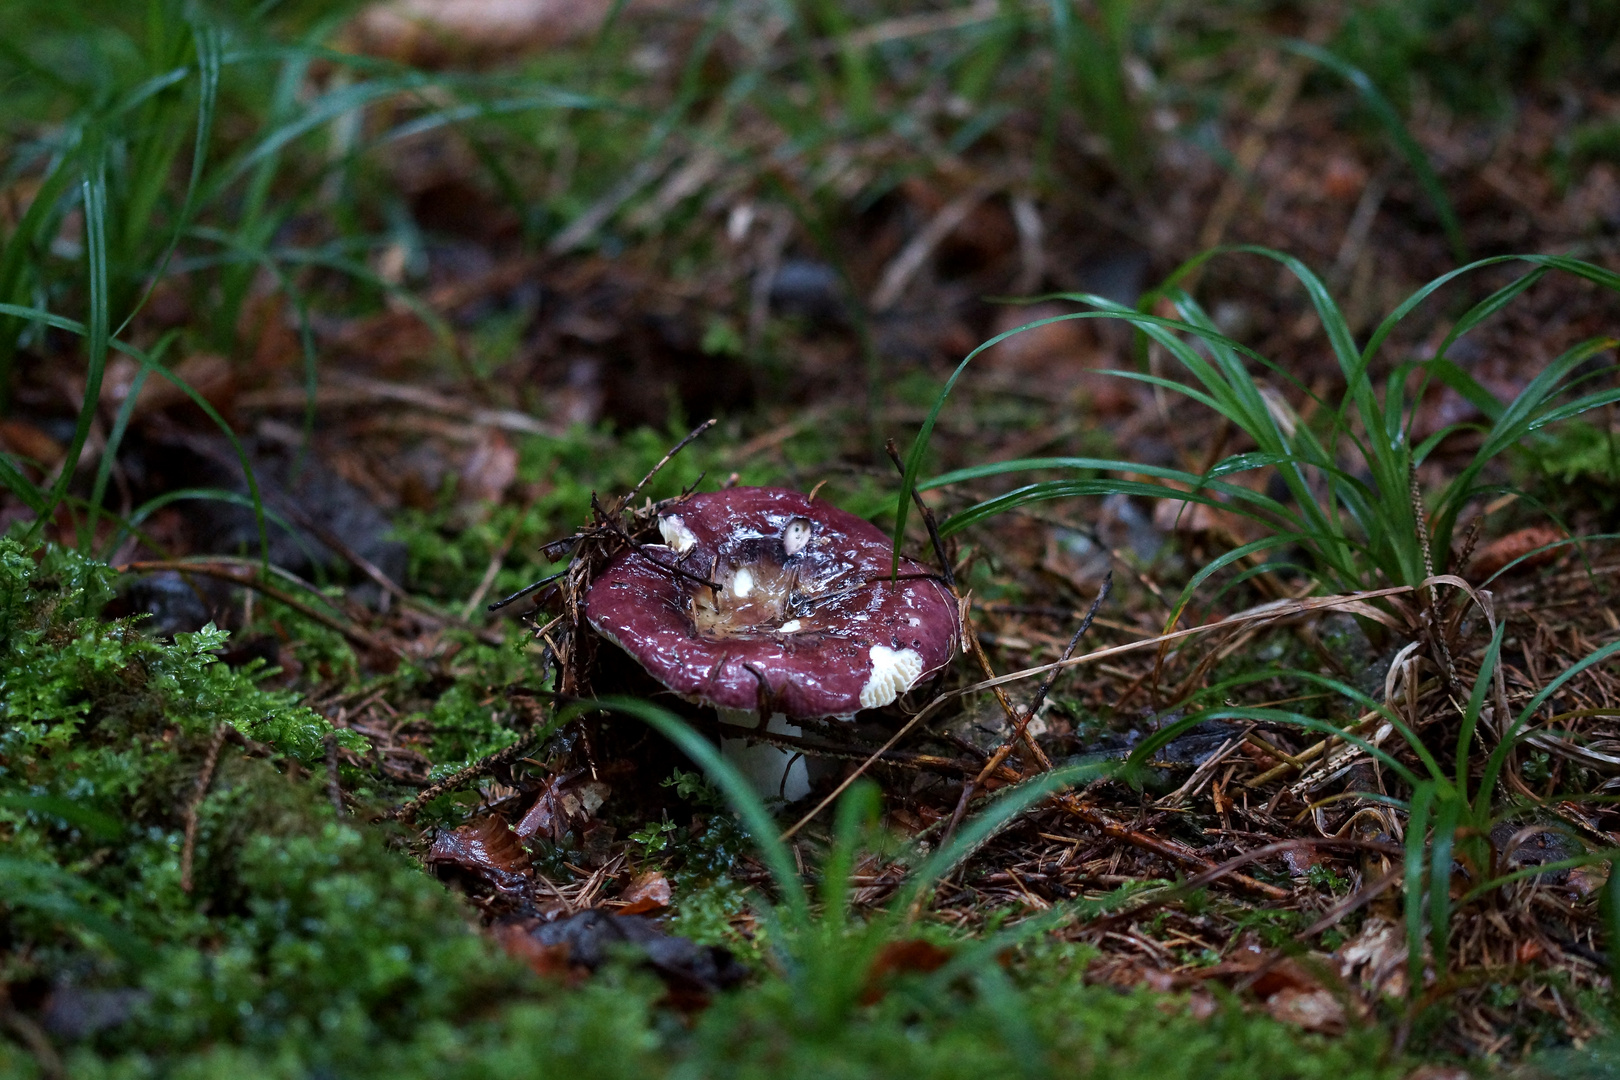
762,600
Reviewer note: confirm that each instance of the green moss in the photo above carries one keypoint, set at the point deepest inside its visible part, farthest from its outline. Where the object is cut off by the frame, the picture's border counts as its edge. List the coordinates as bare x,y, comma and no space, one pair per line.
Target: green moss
307,947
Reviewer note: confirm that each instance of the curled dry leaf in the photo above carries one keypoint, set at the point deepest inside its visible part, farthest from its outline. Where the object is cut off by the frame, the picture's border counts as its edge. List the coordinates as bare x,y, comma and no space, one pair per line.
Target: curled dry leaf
1516,545
1314,1010
648,891
900,957
28,442
1375,959
562,805
487,849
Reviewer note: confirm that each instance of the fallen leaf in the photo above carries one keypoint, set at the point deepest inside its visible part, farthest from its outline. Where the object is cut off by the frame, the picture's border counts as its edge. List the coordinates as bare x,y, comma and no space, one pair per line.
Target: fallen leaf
489,470
547,961
646,892
901,957
562,805
1516,545
590,938
27,441
1439,1072
435,32
1314,1010
487,848
1375,959
208,374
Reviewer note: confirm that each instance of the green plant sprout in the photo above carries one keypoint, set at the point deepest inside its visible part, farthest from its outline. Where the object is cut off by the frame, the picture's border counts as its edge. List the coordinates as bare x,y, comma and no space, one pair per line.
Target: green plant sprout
1359,531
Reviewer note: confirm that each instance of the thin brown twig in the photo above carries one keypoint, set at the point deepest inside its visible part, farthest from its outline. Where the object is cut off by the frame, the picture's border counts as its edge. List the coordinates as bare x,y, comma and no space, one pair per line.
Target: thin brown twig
525,742
334,783
205,778
699,430
32,1036
497,557
641,549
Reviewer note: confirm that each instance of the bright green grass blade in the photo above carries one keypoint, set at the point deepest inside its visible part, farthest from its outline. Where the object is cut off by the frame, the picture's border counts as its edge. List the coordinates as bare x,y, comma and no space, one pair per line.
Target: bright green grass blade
1398,133
740,794
1476,705
1448,815
973,833
1417,828
94,193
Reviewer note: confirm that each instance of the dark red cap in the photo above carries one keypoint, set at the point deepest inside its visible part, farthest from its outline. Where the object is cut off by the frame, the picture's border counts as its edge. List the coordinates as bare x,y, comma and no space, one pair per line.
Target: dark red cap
805,623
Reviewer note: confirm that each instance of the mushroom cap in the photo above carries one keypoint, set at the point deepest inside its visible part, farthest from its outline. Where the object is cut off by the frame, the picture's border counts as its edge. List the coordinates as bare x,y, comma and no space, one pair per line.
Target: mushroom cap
807,623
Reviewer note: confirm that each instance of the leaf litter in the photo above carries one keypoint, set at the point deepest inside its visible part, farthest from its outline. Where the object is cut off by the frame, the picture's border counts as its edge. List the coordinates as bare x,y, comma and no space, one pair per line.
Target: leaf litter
535,824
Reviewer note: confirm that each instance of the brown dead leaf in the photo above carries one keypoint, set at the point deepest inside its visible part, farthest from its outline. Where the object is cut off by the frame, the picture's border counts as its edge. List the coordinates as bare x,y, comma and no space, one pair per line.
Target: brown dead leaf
547,961
1314,1010
209,374
486,848
562,805
27,441
1439,1072
435,32
1515,545
900,957
1375,959
489,470
647,891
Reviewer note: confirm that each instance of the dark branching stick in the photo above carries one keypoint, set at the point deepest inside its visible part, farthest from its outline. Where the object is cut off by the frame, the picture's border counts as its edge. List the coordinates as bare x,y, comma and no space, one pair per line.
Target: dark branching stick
1085,624
610,519
699,430
205,779
525,591
523,744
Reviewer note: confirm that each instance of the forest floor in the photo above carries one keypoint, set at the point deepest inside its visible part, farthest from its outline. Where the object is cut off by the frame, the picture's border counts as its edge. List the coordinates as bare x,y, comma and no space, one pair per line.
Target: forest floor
372,825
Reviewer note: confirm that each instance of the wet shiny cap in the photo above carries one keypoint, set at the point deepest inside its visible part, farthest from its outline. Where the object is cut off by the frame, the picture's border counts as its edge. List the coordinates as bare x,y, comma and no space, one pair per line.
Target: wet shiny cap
803,620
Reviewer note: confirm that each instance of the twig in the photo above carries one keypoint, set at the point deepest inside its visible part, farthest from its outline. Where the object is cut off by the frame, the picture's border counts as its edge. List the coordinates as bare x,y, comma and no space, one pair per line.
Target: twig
641,549
1432,612
898,274
525,591
381,579
334,785
497,557
525,742
33,1037
699,430
1085,624
1265,612
204,779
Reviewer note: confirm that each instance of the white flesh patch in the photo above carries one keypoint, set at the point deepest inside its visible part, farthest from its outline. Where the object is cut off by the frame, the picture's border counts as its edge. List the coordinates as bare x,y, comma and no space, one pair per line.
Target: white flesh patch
893,672
789,627
676,534
796,535
743,583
